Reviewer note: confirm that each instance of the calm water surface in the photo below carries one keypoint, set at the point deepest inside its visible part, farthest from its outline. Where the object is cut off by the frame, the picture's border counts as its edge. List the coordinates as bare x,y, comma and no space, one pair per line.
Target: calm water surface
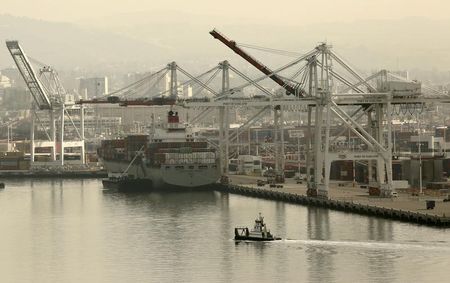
74,231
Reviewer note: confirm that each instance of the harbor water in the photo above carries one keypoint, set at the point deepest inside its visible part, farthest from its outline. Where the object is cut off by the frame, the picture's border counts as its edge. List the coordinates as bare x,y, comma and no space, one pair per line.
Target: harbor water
74,231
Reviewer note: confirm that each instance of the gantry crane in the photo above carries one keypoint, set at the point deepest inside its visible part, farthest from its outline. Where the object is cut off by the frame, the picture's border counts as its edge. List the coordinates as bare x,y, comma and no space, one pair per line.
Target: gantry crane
39,93
316,90
331,104
48,94
120,96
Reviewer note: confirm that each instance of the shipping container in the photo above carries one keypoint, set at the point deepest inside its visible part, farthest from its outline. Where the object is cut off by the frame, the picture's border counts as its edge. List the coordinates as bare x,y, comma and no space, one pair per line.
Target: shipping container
24,165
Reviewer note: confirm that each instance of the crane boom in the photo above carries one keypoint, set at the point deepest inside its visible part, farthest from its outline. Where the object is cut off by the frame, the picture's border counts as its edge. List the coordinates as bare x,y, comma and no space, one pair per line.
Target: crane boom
26,70
233,46
125,103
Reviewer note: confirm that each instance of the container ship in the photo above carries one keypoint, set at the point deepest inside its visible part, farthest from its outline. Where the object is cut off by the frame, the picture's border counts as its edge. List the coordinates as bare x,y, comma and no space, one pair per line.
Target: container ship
172,156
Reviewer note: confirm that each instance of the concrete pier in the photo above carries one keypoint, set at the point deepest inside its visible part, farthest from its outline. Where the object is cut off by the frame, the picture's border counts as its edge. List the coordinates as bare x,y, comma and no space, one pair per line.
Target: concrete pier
350,199
85,174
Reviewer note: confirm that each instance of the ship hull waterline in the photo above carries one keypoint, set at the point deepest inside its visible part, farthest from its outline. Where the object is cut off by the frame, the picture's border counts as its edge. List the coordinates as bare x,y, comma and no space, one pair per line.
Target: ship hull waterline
166,177
255,239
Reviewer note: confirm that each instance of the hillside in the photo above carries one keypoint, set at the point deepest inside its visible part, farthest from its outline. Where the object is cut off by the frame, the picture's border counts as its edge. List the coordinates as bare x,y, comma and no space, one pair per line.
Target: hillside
67,46
406,43
149,40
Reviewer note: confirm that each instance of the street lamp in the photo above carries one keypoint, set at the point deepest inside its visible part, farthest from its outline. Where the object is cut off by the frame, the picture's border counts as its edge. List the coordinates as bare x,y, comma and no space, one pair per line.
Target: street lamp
420,154
445,138
299,134
7,129
298,155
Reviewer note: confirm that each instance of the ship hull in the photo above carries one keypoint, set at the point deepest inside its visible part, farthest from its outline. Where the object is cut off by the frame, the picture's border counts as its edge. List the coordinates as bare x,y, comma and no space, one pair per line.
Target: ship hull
257,239
128,184
165,177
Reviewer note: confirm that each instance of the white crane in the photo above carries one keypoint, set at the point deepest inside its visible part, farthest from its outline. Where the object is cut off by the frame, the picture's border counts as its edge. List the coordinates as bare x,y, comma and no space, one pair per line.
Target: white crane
48,94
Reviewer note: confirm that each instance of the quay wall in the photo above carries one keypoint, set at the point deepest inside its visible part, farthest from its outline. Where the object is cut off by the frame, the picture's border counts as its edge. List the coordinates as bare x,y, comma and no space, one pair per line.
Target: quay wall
51,175
351,207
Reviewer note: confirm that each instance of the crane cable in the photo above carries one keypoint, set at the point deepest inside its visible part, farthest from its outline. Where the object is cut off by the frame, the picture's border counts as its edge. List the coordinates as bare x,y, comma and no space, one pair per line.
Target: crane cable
271,50
138,82
141,83
278,52
191,80
201,87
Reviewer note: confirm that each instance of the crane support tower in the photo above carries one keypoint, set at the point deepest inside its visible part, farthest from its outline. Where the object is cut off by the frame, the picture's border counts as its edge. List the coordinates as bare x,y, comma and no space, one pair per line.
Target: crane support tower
338,100
48,100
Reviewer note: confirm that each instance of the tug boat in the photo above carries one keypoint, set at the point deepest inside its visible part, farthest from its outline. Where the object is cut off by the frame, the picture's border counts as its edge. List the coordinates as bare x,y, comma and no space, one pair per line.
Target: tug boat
258,233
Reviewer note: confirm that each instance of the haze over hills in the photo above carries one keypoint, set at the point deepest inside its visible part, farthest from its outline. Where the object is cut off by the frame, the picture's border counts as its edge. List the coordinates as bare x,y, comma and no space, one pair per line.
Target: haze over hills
148,40
67,46
408,43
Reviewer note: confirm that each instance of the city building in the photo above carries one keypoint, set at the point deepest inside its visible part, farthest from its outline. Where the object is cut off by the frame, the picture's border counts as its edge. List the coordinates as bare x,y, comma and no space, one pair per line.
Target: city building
14,77
93,87
426,146
5,82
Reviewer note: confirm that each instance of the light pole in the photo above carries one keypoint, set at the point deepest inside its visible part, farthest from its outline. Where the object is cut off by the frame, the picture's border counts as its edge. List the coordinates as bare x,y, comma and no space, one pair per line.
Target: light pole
394,142
8,128
352,144
420,154
257,142
445,138
298,155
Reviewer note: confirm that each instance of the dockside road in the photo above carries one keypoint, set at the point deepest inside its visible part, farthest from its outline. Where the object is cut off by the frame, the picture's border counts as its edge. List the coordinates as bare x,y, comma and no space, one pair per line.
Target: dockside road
405,207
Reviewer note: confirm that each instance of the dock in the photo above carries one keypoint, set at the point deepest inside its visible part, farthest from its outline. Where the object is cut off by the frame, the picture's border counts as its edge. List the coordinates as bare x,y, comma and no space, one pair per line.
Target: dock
350,199
84,174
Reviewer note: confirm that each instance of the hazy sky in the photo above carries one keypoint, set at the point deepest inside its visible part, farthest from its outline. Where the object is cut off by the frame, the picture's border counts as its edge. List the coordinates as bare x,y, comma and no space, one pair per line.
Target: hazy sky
416,40
290,12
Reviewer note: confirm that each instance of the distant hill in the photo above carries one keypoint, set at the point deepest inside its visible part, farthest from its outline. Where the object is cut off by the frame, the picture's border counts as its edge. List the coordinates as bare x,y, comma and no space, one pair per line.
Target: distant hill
409,43
67,46
148,40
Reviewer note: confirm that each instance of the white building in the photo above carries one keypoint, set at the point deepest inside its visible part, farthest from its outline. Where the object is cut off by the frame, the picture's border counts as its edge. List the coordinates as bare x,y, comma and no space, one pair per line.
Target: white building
5,82
93,87
14,77
187,91
166,86
427,145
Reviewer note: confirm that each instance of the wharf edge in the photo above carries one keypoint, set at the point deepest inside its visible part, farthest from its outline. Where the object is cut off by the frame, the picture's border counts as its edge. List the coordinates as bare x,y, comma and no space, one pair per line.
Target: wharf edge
363,209
55,175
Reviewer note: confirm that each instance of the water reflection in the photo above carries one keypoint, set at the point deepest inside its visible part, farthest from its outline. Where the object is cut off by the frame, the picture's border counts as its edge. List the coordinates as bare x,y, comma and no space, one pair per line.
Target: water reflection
280,218
226,227
73,231
318,223
175,202
381,262
320,258
171,226
281,267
